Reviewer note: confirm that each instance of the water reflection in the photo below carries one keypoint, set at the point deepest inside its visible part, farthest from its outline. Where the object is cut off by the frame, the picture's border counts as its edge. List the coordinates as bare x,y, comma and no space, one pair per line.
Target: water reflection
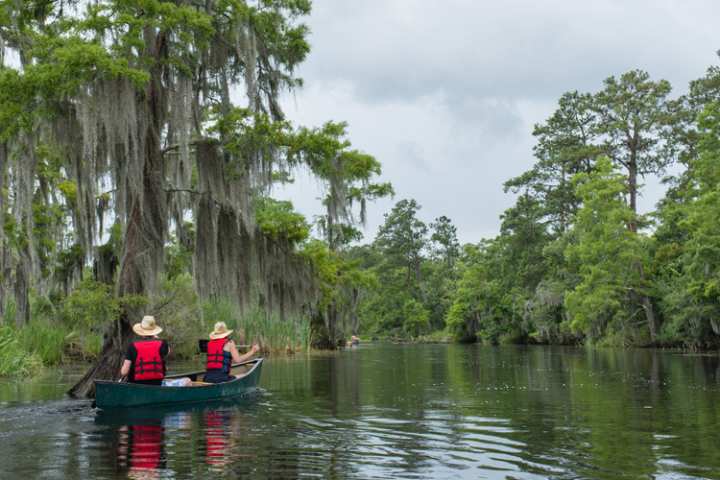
403,412
217,438
140,450
162,442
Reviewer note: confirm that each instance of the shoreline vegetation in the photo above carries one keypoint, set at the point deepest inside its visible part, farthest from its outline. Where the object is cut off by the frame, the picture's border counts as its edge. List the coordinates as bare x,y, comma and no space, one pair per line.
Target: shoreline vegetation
70,334
132,183
575,262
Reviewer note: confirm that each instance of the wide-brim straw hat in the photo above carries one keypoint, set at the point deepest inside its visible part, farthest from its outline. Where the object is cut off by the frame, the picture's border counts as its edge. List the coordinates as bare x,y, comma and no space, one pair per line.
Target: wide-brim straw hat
147,328
220,331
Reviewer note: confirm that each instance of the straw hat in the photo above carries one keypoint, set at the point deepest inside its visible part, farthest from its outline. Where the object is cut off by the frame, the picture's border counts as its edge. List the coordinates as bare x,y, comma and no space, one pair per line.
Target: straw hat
220,331
147,328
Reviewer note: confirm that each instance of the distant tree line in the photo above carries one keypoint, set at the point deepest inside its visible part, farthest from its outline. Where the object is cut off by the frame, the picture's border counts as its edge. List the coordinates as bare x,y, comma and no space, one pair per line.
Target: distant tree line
575,262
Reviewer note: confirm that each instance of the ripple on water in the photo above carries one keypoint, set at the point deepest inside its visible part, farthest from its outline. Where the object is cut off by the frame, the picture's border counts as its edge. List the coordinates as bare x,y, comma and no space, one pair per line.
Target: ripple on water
466,412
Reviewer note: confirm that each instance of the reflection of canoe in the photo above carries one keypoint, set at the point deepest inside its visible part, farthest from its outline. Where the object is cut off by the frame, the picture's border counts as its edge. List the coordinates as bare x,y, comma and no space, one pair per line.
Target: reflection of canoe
170,413
117,395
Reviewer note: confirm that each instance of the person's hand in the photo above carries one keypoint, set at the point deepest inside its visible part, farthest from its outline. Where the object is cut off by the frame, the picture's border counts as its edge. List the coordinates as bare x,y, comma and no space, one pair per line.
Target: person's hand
255,348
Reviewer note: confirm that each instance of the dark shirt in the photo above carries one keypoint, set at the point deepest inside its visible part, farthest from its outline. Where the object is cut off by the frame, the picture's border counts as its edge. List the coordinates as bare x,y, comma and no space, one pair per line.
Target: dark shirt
131,355
217,376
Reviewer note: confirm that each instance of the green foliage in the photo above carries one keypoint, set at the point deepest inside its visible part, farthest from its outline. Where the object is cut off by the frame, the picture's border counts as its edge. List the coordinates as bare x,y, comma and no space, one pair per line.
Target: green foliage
347,175
486,304
569,262
68,190
567,144
402,239
46,341
70,328
178,258
335,272
634,117
416,318
246,133
177,308
90,305
14,359
607,254
445,245
689,261
416,274
279,221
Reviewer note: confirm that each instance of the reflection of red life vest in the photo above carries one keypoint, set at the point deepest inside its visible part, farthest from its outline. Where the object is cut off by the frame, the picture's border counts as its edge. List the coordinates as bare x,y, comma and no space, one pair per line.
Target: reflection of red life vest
215,438
149,364
146,446
216,357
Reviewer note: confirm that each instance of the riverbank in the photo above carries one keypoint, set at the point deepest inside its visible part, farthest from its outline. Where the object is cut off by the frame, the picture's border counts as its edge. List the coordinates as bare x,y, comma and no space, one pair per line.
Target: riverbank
70,329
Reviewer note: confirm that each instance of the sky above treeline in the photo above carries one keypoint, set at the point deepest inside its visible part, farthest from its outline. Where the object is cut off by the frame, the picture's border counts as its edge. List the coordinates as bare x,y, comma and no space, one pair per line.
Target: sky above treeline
445,93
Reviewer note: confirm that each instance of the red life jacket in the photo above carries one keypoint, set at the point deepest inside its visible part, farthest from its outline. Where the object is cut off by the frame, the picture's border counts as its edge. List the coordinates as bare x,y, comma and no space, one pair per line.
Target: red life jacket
216,358
149,364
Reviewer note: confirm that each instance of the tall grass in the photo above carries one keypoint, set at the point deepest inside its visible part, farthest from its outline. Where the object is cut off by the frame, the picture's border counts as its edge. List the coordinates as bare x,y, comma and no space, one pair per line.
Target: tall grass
71,329
44,340
14,359
267,329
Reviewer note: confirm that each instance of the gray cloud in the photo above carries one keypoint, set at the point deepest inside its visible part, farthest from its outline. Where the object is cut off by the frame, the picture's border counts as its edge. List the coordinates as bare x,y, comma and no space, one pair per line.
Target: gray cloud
445,94
478,48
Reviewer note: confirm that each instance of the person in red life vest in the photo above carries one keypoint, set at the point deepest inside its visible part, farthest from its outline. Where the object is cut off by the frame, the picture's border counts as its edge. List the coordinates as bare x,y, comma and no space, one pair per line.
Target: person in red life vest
145,357
222,353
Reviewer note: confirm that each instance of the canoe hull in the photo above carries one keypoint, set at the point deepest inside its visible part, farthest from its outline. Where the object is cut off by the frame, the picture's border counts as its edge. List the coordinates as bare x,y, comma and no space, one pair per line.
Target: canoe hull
123,395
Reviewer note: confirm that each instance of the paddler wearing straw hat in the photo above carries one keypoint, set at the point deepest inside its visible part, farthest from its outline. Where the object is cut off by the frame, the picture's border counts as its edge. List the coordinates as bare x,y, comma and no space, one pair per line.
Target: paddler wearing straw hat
145,357
222,353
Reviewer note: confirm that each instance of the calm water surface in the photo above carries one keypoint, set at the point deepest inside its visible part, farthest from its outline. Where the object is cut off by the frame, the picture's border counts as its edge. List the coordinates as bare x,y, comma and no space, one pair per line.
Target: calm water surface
432,411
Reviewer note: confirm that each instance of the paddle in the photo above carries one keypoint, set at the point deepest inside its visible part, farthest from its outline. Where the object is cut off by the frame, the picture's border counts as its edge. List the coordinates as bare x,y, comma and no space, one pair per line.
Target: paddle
200,372
202,345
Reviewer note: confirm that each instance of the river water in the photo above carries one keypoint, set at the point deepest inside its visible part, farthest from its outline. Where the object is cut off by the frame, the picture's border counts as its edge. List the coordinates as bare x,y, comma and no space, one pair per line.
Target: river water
385,411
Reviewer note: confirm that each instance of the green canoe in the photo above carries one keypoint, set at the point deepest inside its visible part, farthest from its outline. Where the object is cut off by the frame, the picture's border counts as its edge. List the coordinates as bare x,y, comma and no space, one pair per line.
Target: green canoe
118,395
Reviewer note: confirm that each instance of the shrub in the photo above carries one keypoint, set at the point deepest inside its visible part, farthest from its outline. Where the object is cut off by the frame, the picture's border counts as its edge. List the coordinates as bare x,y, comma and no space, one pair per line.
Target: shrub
90,305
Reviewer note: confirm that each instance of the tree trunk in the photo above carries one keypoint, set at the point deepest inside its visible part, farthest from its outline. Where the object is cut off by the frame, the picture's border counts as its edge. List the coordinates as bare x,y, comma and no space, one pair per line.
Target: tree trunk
650,316
632,190
142,258
320,339
332,320
21,287
3,251
355,327
105,265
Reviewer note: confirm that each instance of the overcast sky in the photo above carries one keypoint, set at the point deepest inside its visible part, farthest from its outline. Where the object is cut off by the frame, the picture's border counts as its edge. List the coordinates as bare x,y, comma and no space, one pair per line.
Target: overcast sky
445,93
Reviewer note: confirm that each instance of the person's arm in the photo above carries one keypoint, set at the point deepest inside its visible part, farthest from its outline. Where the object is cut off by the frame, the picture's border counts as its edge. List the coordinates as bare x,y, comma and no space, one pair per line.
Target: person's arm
236,357
164,349
130,356
125,368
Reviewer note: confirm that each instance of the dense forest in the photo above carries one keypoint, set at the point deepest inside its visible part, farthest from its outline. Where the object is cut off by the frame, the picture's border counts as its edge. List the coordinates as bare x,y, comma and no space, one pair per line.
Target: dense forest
140,141
139,144
575,262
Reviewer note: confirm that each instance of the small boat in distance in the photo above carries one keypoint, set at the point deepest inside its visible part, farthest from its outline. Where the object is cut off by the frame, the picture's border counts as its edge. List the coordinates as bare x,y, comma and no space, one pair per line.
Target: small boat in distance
110,394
